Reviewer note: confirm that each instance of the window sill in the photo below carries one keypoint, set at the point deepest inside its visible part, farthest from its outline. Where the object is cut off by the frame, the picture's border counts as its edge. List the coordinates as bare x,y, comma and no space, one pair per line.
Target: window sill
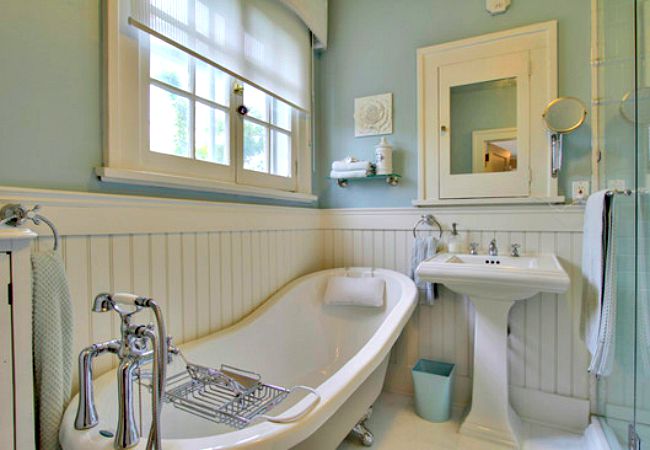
144,178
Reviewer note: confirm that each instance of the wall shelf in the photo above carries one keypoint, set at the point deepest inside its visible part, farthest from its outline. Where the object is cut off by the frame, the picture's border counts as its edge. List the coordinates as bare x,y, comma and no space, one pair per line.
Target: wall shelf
390,178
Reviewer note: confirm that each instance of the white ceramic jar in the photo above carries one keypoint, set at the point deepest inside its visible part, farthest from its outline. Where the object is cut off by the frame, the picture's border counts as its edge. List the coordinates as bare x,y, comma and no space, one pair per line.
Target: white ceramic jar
384,157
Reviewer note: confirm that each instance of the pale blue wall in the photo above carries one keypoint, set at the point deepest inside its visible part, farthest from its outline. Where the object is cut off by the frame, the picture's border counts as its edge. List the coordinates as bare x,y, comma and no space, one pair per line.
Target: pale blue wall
372,50
50,73
50,99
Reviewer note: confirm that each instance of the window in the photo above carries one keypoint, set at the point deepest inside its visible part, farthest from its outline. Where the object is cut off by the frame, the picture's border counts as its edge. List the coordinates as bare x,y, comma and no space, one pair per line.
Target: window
188,106
194,123
267,134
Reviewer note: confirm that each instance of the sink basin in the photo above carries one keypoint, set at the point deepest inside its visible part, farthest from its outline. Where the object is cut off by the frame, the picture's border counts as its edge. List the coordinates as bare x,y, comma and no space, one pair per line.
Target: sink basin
494,284
498,277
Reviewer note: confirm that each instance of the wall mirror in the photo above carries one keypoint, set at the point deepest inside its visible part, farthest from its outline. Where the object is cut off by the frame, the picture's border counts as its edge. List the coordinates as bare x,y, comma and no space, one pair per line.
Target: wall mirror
484,127
481,139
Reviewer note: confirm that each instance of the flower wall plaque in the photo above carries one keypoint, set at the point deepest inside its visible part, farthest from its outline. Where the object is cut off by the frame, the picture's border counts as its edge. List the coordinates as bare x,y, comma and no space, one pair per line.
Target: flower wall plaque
373,115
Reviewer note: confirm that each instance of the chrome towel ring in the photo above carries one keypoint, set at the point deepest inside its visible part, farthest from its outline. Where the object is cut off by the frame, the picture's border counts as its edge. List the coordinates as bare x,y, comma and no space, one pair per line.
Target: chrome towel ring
429,220
15,215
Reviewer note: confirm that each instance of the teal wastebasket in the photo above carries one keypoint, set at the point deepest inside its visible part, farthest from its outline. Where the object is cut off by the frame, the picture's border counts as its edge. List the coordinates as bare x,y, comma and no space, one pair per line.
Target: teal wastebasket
433,382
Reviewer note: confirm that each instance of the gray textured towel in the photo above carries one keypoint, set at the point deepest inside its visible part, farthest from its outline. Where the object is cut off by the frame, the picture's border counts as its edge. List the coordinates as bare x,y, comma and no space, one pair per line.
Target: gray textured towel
424,247
52,341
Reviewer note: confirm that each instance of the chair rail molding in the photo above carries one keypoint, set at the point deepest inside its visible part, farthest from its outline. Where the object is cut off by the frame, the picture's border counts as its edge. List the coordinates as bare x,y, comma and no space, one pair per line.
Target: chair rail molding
83,213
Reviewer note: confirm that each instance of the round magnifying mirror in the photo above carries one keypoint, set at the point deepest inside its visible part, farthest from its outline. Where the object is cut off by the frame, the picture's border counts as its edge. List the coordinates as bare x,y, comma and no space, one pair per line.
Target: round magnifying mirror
562,115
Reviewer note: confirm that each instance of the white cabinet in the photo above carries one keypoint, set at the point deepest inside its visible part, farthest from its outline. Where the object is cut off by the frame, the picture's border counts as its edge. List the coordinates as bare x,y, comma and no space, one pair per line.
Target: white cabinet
16,373
6,357
469,79
481,137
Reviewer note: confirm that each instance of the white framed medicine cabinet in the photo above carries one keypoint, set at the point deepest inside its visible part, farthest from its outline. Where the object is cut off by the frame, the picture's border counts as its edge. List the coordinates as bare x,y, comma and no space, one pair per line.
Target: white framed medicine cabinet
481,135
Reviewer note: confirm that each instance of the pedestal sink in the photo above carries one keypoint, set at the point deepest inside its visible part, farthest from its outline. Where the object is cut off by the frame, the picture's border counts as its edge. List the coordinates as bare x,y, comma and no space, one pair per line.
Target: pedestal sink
494,284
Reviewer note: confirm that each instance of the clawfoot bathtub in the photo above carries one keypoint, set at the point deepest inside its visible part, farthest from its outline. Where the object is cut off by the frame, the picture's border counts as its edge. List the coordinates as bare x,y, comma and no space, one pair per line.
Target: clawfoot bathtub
292,339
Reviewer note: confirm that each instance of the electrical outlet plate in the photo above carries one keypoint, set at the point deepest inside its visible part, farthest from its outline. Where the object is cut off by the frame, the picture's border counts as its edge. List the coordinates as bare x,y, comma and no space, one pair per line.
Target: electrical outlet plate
497,6
580,190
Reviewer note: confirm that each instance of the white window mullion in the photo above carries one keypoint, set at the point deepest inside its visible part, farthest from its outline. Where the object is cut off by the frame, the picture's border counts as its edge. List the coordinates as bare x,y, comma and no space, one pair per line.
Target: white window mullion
269,144
193,107
237,130
267,149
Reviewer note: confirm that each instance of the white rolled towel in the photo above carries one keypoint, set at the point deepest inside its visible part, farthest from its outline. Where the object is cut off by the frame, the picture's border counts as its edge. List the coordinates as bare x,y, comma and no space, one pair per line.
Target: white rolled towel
352,291
343,166
349,174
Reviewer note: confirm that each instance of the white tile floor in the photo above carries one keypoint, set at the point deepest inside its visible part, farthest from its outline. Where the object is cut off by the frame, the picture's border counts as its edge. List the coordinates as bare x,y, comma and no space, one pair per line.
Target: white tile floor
397,427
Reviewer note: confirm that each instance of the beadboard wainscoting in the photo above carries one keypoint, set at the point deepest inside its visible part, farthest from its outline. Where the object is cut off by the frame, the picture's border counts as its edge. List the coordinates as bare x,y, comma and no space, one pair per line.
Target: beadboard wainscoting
210,264
204,281
547,363
545,354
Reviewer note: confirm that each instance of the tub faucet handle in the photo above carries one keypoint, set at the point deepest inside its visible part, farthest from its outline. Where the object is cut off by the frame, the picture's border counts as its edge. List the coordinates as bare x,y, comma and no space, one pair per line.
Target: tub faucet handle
515,250
473,248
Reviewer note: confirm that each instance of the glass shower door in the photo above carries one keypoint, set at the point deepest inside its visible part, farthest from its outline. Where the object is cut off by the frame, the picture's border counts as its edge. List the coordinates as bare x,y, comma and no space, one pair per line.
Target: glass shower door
641,120
621,73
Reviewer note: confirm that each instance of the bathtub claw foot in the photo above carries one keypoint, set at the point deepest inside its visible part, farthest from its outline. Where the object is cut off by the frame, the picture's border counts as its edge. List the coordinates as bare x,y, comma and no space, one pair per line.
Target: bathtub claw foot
362,433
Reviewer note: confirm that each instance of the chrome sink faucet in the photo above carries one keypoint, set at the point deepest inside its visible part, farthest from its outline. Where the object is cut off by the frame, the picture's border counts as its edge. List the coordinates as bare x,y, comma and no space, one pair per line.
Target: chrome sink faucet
137,346
492,249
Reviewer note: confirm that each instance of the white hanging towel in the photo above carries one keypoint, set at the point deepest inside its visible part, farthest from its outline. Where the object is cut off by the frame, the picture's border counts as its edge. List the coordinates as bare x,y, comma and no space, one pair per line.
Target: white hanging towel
598,309
424,247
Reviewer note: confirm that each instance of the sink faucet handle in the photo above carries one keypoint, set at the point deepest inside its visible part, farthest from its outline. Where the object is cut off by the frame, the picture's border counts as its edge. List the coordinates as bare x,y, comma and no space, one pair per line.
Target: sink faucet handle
515,250
473,248
492,248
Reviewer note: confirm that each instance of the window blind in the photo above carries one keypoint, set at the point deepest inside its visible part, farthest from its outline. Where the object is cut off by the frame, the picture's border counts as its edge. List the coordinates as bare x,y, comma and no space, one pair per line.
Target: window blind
261,42
314,14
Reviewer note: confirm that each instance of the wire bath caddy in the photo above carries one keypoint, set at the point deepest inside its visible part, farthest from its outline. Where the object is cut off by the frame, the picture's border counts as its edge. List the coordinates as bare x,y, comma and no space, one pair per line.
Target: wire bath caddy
230,396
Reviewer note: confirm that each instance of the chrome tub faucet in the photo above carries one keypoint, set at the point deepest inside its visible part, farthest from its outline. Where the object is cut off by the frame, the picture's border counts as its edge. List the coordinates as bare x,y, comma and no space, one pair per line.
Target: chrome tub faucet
137,346
86,411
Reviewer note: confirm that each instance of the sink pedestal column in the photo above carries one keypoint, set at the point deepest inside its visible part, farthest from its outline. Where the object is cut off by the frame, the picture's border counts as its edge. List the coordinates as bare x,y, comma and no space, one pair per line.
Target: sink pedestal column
491,417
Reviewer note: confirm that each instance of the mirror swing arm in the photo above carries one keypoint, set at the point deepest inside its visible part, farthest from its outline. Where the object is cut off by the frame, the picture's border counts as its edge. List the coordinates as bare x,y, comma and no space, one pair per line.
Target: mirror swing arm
562,115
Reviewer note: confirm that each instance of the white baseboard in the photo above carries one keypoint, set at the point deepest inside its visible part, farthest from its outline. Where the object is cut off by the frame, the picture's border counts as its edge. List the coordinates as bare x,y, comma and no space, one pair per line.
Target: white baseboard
552,410
564,413
596,437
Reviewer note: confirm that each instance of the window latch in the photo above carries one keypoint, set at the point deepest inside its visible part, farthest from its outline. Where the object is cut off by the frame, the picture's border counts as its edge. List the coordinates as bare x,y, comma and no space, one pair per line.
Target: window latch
238,89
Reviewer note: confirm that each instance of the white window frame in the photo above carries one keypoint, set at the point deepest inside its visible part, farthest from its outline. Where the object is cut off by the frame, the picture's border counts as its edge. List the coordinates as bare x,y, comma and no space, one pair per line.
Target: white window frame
174,164
268,180
127,158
